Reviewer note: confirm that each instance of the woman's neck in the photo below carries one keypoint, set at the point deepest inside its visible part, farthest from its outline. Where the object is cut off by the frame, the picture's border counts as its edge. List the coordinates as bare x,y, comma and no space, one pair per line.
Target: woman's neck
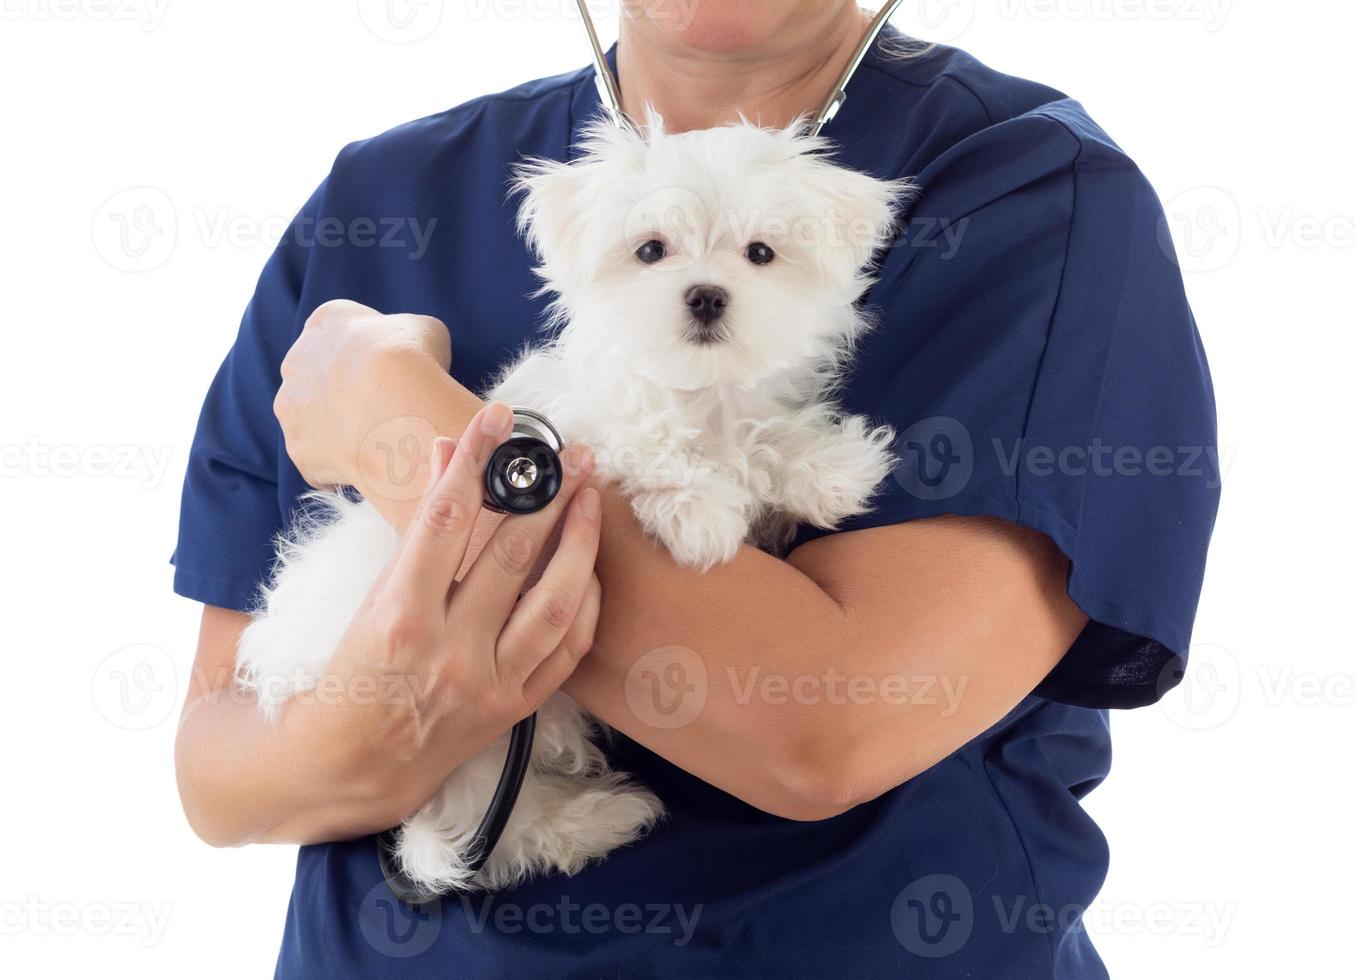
697,88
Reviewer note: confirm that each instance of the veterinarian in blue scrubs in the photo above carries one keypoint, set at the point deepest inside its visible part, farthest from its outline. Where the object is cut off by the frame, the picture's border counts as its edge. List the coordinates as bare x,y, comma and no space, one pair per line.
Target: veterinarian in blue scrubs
1037,355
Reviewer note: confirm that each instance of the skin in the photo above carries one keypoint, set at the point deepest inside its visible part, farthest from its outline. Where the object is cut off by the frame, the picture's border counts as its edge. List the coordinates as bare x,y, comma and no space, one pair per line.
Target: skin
830,678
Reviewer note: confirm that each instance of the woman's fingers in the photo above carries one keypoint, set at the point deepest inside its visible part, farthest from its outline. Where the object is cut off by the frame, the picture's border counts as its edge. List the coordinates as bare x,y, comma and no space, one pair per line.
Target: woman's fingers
491,587
436,540
556,669
543,618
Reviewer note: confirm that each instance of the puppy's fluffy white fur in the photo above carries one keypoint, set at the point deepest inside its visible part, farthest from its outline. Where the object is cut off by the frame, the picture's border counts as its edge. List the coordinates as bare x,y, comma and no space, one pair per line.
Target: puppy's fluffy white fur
718,432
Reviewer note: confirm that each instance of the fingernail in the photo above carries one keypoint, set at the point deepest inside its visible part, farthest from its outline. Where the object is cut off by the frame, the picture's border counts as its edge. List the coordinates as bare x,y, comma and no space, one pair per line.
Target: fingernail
443,449
591,504
579,460
496,420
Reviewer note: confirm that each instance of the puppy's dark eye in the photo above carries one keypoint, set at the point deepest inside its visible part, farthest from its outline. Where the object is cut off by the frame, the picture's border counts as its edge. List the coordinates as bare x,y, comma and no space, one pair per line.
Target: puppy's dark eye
651,252
760,253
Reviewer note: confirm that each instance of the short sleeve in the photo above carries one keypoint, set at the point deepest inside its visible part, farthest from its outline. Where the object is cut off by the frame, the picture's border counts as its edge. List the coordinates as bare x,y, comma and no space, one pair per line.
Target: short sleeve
233,504
1038,359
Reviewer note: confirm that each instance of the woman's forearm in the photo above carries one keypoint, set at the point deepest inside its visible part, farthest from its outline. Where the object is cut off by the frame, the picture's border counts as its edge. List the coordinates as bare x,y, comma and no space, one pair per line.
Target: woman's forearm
425,677
909,616
244,779
755,613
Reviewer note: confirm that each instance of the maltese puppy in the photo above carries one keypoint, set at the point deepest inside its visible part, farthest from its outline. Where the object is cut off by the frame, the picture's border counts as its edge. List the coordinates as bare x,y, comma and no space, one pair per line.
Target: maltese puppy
706,289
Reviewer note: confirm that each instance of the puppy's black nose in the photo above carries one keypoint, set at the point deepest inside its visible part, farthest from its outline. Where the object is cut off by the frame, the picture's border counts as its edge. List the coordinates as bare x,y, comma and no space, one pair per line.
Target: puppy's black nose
707,303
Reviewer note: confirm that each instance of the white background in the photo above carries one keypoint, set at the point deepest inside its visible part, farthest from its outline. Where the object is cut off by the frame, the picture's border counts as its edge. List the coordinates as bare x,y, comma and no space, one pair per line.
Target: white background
1229,808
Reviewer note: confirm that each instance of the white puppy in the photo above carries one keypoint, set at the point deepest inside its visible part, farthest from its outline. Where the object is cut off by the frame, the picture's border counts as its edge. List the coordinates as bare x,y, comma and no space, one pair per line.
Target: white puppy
706,289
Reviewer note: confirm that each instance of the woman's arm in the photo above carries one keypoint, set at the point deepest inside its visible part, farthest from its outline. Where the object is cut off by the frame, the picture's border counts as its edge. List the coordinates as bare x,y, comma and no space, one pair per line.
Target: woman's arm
426,676
824,680
243,780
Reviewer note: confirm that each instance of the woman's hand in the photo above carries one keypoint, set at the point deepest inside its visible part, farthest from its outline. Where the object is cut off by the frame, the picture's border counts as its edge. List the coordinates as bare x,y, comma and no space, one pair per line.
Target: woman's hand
337,401
455,665
428,674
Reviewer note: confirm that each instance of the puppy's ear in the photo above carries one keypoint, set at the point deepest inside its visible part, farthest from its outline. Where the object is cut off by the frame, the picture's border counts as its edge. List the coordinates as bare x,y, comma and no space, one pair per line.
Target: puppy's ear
551,207
558,198
862,209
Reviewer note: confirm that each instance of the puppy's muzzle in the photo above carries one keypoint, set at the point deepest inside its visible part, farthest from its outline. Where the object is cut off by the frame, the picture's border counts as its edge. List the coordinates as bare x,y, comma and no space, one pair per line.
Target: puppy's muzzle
707,304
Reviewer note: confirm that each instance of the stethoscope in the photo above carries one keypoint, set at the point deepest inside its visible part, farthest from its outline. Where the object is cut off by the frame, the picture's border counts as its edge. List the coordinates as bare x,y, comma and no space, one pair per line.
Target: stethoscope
525,474
522,476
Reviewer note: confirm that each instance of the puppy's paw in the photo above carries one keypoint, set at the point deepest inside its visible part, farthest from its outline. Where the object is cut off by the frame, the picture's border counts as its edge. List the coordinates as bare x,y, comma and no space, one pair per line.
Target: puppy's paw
699,528
835,477
574,823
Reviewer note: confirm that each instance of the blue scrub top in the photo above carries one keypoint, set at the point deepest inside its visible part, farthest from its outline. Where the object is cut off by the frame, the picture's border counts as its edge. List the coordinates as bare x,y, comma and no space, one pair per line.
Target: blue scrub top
1037,355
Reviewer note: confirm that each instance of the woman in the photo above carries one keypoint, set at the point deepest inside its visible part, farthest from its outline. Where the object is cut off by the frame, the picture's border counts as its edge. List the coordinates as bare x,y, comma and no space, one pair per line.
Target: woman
872,751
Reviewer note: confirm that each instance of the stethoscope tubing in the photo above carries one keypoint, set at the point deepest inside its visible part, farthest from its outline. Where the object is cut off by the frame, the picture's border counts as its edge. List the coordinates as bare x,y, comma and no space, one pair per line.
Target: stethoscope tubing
491,829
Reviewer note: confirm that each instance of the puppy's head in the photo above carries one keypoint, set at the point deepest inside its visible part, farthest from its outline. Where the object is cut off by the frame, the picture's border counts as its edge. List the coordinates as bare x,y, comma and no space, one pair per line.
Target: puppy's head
727,255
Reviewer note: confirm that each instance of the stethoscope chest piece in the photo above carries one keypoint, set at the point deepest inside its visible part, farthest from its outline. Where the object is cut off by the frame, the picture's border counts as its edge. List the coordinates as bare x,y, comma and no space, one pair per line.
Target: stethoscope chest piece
525,474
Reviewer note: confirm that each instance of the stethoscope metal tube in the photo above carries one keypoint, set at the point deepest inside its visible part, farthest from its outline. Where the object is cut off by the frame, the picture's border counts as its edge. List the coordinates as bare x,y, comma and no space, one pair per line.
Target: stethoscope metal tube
610,93
523,476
